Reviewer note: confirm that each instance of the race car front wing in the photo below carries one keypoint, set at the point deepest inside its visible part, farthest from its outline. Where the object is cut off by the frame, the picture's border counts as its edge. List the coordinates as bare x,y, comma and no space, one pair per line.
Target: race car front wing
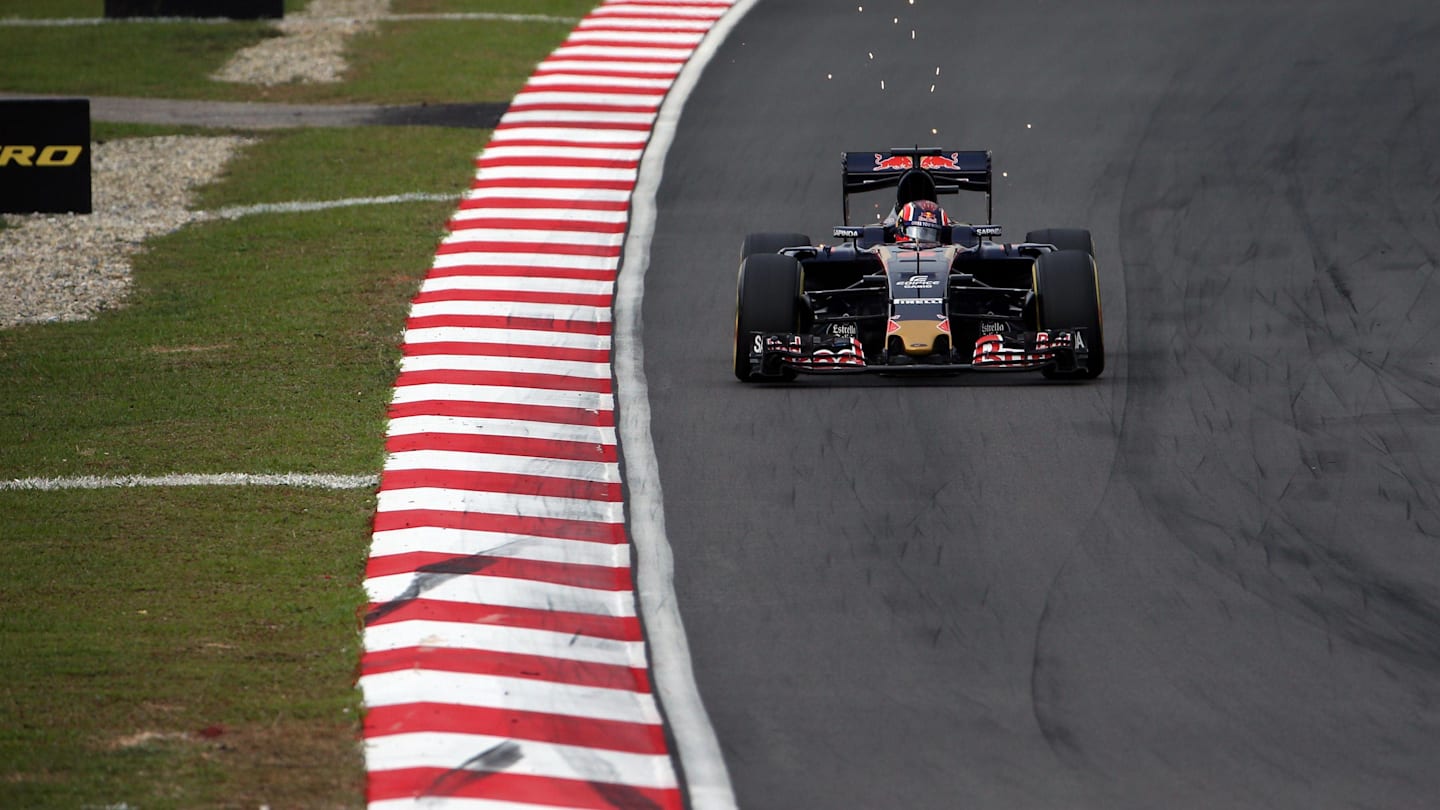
771,354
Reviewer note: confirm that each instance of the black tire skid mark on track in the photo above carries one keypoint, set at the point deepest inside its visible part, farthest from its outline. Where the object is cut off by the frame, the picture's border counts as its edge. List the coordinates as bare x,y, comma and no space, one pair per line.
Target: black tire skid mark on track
1405,624
1065,743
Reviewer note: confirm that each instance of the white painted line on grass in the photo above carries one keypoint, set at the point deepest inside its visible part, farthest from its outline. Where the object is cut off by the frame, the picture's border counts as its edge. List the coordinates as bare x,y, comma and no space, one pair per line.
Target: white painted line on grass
310,480
237,211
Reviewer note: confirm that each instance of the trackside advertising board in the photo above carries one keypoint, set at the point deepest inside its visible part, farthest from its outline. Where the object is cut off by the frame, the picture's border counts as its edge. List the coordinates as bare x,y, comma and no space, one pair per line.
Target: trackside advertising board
45,156
233,9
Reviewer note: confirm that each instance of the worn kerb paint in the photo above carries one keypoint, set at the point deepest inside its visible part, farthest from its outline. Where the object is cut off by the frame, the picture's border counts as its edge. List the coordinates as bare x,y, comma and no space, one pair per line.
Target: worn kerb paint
505,663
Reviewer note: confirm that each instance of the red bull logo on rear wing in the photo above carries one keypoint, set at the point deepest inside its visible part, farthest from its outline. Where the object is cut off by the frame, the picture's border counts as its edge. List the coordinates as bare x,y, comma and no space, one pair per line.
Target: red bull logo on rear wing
952,170
891,163
969,166
885,162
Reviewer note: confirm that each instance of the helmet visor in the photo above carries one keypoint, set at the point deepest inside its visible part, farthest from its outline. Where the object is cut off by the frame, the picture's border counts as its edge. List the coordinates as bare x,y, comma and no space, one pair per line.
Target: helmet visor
922,232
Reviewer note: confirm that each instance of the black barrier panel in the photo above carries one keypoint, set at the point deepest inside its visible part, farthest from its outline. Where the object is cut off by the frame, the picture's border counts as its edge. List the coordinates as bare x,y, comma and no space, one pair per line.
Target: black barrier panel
45,156
234,9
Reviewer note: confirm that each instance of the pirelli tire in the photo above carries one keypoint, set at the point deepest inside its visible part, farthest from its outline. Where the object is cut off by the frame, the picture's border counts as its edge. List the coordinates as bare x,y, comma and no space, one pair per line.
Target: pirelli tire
771,243
1064,239
1067,291
767,300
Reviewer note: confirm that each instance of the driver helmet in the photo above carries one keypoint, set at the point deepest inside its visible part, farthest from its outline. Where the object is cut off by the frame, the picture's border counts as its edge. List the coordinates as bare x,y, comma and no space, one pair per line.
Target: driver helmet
920,221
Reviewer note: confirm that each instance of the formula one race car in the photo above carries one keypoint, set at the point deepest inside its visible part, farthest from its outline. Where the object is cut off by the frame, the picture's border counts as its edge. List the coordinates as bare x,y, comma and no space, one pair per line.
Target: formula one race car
918,293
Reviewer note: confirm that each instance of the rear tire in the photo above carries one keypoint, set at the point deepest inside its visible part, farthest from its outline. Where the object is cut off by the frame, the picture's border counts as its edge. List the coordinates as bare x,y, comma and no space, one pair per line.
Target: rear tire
767,300
1067,288
771,243
1064,239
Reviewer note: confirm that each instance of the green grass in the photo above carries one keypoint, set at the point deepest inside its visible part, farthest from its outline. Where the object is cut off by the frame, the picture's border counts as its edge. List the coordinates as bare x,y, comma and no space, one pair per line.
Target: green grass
167,612
274,359
399,62
52,9
451,62
56,9
135,619
263,344
333,163
125,59
43,9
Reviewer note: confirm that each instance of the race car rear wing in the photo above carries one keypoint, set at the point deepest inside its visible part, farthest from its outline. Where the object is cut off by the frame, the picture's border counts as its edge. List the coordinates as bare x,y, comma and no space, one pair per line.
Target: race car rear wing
950,172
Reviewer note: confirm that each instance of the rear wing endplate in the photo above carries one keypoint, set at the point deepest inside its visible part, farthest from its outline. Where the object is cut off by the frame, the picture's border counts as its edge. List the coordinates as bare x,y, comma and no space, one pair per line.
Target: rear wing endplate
952,171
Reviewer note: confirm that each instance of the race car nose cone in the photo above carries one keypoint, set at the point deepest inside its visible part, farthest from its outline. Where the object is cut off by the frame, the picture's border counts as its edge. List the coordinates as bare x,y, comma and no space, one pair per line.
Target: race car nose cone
919,338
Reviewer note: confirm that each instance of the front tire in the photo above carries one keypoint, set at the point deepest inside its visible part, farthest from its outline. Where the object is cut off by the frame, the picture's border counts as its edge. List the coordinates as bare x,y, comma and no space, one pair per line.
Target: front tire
767,300
1067,287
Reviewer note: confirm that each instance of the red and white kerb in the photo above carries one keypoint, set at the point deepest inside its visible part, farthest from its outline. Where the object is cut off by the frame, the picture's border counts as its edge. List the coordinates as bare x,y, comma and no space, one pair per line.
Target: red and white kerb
504,663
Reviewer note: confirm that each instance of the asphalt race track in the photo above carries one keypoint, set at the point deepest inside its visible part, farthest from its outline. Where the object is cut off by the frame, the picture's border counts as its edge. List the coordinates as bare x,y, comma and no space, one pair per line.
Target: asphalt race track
1211,578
